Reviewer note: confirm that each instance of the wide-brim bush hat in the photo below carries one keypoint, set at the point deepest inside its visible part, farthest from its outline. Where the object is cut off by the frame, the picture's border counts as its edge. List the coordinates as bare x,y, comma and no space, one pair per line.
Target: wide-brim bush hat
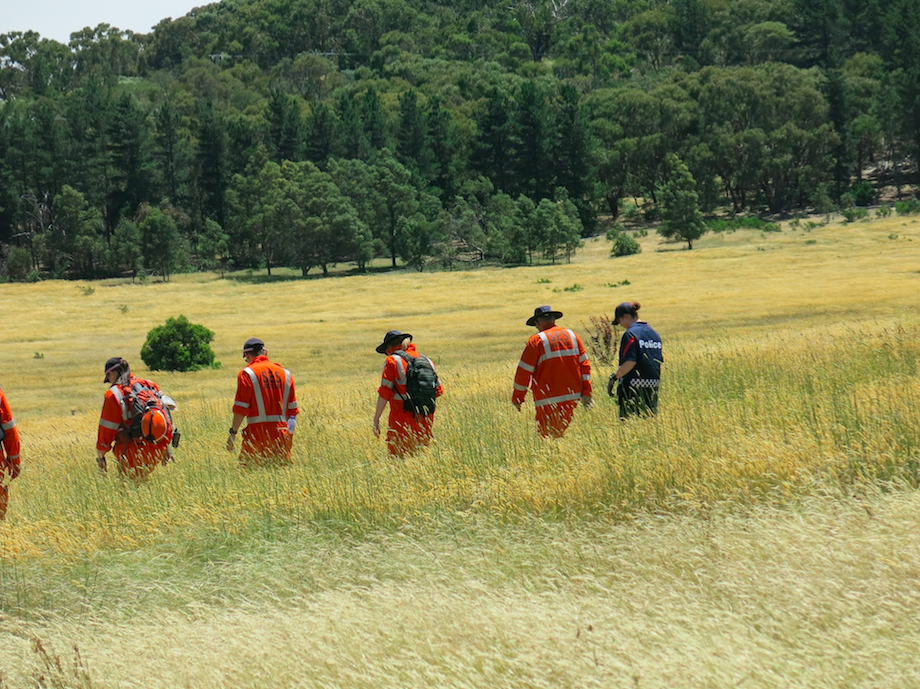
390,338
543,312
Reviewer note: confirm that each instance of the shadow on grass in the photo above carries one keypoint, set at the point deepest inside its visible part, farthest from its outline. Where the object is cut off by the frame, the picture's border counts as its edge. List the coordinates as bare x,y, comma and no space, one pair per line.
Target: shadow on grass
262,279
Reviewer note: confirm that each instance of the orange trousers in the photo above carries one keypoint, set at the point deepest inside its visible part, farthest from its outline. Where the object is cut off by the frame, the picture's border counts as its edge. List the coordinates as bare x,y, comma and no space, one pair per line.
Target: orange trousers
554,419
265,443
4,500
139,458
405,433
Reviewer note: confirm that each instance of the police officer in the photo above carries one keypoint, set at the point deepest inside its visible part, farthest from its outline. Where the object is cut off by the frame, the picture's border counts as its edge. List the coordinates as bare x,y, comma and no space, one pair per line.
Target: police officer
639,375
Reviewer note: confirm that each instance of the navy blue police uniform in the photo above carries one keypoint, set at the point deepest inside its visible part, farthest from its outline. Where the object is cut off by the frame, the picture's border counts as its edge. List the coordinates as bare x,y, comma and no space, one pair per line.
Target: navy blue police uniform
637,392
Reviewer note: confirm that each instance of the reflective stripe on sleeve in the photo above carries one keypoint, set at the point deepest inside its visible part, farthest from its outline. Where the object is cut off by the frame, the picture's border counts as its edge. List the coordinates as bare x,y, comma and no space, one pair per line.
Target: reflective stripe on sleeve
400,370
386,383
586,376
245,405
526,367
125,414
11,424
12,457
288,384
111,425
522,388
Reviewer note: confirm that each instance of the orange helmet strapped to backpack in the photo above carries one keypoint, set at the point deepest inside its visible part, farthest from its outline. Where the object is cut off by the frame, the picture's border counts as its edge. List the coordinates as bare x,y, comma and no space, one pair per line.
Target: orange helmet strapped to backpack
154,426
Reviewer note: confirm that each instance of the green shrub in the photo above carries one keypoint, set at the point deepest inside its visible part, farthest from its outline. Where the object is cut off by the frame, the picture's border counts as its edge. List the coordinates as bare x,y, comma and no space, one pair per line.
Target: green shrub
624,245
732,224
883,211
18,263
863,193
853,214
178,346
908,207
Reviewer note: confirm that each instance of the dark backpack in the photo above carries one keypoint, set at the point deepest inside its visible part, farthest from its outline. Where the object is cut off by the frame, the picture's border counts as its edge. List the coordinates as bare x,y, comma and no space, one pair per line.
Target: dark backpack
141,400
421,384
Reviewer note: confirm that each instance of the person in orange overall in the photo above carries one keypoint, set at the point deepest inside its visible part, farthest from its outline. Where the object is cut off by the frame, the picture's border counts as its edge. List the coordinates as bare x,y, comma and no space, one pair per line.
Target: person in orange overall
9,452
555,367
406,431
136,457
266,399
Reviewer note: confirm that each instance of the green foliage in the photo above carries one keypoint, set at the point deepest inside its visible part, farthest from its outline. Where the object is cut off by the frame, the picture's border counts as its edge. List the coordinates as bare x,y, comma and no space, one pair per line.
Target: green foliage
681,217
178,345
769,105
18,263
863,193
909,207
741,223
623,243
854,214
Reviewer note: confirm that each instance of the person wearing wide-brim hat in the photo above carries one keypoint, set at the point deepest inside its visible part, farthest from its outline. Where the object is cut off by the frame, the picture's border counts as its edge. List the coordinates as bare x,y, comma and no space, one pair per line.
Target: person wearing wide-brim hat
555,367
267,400
638,376
410,385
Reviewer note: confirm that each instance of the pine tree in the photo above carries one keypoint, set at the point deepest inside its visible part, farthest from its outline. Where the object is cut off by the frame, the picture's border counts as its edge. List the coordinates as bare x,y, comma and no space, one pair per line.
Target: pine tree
573,156
285,127
680,212
492,149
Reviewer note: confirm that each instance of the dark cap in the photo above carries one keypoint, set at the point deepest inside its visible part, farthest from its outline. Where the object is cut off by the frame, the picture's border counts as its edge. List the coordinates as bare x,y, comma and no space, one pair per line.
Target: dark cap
109,365
623,309
390,338
543,312
252,345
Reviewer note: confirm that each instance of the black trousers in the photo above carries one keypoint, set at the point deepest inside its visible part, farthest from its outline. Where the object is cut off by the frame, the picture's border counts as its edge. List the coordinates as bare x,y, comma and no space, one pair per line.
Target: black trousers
637,401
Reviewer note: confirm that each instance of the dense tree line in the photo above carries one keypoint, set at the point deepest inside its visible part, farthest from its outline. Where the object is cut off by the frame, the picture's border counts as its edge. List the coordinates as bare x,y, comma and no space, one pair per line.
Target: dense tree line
310,133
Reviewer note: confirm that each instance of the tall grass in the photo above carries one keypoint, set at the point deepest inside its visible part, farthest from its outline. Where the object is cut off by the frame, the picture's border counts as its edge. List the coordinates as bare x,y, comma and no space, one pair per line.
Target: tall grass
649,552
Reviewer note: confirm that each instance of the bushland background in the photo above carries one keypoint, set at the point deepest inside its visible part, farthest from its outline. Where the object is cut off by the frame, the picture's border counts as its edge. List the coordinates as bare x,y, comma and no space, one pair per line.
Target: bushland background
760,531
266,134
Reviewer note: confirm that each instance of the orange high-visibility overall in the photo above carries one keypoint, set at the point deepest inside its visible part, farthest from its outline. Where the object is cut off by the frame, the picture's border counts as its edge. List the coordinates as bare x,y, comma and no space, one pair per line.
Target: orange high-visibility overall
9,452
555,367
265,395
405,432
136,457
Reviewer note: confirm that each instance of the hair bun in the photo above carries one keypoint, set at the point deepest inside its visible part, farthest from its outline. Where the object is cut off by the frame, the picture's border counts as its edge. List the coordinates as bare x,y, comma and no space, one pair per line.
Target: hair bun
636,305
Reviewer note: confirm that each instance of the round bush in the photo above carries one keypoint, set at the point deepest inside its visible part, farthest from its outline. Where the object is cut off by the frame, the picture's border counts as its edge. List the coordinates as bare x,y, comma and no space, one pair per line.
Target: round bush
624,245
178,346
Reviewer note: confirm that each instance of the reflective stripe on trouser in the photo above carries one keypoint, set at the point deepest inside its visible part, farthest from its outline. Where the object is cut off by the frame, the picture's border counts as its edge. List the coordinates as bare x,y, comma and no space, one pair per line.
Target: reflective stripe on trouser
138,459
553,419
405,433
265,442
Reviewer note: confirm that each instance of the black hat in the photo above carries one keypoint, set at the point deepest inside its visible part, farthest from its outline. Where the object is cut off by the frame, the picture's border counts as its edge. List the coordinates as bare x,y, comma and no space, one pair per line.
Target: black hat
543,312
252,345
109,365
389,338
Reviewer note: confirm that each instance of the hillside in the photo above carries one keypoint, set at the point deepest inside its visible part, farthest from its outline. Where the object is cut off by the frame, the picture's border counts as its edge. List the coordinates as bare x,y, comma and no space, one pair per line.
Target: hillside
307,134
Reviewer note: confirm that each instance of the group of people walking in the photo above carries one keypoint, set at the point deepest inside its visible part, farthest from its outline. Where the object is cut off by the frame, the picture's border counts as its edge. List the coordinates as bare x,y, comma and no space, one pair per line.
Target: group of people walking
136,422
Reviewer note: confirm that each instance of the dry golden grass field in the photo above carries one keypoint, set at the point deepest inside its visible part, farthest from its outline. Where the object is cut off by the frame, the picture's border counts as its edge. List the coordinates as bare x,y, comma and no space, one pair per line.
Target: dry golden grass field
762,531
